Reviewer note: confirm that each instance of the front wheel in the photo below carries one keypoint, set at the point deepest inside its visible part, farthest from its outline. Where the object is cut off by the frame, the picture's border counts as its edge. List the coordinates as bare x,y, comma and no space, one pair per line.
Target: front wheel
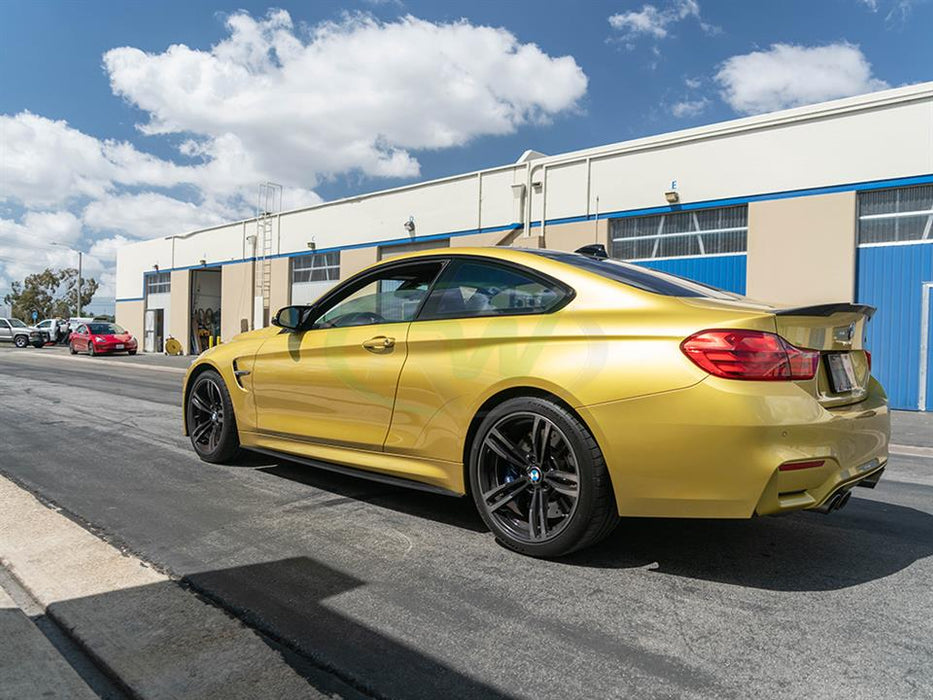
38,344
90,349
131,352
21,341
539,479
211,422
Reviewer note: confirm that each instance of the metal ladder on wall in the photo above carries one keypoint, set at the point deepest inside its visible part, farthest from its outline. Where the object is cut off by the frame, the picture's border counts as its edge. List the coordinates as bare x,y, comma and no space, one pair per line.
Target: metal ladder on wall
268,205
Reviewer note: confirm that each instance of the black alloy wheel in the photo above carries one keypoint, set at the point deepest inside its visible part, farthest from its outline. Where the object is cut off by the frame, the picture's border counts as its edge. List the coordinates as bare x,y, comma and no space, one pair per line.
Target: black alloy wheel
211,422
539,479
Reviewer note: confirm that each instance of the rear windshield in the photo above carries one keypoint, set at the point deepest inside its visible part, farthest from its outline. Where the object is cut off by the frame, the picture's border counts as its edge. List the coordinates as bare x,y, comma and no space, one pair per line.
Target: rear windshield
639,277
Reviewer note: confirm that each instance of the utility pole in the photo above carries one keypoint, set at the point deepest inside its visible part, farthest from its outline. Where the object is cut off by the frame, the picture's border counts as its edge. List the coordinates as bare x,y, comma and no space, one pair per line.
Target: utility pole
80,256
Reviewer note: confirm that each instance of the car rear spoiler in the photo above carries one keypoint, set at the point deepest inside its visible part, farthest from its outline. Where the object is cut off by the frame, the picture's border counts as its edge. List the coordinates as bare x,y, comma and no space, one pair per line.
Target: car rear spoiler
827,310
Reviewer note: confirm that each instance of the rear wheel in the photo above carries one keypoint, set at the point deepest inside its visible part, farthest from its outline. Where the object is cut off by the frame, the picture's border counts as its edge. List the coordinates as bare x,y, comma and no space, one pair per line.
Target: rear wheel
71,349
21,341
539,479
211,422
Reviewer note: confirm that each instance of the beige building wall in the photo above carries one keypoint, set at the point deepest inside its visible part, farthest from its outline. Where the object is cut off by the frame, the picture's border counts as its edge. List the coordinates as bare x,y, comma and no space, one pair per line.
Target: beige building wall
802,250
131,315
179,321
355,259
236,299
569,237
478,240
280,293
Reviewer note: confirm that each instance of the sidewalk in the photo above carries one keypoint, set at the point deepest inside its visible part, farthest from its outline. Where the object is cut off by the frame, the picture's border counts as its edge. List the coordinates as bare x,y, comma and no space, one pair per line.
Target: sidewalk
30,666
138,625
912,428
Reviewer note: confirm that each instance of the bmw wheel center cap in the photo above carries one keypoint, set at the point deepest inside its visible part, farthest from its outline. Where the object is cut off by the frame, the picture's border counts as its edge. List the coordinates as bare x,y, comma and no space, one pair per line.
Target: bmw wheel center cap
534,474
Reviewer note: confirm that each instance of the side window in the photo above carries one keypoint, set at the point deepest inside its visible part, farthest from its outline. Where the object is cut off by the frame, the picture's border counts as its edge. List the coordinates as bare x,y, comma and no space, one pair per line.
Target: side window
390,296
4,324
82,330
470,288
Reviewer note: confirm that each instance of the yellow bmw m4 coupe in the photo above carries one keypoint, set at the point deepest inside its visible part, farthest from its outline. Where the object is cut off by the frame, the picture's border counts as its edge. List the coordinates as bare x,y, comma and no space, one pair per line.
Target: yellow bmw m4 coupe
559,390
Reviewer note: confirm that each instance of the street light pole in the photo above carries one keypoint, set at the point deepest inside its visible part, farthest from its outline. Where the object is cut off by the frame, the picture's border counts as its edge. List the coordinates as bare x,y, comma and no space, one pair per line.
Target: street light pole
80,270
80,255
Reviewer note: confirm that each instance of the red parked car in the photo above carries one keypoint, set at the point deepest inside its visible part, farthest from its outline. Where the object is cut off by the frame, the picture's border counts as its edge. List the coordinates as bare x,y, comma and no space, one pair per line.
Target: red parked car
99,337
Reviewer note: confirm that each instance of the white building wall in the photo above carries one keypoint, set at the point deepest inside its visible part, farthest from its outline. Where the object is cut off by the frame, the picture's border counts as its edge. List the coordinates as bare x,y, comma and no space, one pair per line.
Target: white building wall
874,137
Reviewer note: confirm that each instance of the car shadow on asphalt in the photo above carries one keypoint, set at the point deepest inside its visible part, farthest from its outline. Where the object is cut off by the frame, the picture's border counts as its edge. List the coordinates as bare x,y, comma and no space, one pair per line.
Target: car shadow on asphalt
459,512
866,541
804,551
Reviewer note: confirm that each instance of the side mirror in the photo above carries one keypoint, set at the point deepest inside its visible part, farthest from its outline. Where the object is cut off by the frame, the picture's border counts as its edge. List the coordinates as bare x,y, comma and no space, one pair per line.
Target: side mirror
289,317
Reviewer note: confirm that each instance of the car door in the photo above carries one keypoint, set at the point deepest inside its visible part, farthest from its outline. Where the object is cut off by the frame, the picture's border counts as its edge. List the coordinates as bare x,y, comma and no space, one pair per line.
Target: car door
335,382
483,324
6,332
79,338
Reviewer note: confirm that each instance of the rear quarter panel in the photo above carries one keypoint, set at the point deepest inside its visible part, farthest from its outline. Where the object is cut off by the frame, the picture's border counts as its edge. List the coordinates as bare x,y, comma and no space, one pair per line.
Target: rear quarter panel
591,352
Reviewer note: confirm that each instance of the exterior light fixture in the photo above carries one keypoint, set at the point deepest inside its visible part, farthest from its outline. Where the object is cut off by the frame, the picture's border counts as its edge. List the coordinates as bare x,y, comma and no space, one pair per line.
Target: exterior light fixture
203,262
537,186
312,245
672,196
410,225
155,266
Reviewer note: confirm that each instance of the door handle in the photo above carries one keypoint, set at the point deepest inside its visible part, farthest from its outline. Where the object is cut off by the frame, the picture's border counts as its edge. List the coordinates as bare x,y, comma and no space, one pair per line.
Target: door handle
379,343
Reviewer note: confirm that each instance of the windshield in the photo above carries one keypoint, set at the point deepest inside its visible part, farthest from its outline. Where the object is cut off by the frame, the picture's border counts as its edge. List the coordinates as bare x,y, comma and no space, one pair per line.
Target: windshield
105,329
16,323
639,277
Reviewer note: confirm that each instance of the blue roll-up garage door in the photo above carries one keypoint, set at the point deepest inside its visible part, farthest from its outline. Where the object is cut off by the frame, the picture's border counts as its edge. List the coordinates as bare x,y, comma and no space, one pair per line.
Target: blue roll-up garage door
895,278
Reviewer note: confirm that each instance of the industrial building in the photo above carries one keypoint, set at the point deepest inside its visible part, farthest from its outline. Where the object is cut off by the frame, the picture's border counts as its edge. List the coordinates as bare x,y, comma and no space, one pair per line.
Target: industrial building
829,202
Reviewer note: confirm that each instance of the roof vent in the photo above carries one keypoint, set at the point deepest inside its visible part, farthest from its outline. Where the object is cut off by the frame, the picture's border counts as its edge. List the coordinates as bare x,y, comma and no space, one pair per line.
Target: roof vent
530,155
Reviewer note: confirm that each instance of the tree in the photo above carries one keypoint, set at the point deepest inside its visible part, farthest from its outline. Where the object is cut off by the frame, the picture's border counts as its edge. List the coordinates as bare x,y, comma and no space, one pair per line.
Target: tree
49,293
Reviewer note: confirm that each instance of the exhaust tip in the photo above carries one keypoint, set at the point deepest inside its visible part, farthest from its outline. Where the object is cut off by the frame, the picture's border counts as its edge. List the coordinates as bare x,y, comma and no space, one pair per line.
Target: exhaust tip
835,502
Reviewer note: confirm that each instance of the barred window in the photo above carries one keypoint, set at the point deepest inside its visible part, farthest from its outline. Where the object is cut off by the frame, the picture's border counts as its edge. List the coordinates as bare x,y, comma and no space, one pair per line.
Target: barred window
680,234
159,283
316,267
902,214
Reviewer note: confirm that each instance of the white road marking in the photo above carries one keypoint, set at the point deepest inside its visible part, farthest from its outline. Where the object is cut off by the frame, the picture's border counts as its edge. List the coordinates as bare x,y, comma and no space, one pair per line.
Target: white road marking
98,361
910,450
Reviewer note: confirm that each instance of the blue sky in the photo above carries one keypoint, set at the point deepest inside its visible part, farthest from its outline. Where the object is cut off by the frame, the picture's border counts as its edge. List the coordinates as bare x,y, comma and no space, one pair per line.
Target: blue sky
109,136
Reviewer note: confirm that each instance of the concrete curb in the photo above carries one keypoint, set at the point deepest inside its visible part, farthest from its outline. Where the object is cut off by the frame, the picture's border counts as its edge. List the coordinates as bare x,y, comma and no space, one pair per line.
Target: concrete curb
142,628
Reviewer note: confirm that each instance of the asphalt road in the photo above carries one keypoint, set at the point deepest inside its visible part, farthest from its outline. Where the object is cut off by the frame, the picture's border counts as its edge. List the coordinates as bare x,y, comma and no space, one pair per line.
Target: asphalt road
404,594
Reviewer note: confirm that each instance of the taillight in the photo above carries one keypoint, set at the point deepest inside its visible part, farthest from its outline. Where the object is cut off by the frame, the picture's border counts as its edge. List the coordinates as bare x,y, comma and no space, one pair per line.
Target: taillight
745,354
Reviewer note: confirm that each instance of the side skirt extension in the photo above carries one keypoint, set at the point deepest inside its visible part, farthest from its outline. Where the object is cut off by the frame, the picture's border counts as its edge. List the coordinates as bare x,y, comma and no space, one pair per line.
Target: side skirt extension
359,473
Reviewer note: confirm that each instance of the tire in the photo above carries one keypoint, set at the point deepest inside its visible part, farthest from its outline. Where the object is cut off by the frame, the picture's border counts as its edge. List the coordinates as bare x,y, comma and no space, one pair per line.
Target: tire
38,344
71,349
130,352
569,476
21,341
210,418
90,349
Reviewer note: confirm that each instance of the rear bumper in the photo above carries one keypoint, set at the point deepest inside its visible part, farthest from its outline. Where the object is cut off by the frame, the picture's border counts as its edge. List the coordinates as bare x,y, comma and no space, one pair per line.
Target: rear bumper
714,450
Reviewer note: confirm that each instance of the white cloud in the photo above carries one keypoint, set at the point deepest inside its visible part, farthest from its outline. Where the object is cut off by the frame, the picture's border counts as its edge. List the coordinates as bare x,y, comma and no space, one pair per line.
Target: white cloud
689,108
269,102
656,23
870,4
789,76
359,94
149,215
